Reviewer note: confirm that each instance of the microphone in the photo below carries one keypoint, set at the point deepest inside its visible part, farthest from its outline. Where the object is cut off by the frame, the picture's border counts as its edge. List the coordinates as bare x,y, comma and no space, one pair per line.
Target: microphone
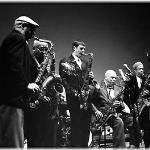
126,66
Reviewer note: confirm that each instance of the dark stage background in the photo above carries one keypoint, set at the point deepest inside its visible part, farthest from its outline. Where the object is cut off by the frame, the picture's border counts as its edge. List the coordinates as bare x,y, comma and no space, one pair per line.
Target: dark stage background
117,33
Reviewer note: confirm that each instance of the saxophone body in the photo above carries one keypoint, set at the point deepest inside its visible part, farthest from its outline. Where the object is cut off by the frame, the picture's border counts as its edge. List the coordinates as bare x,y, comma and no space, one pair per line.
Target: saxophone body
51,87
83,98
144,97
45,47
109,109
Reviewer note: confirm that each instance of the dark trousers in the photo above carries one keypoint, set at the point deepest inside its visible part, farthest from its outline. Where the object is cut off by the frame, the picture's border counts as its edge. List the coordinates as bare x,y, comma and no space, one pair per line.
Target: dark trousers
132,124
80,124
118,131
40,130
11,127
146,138
144,120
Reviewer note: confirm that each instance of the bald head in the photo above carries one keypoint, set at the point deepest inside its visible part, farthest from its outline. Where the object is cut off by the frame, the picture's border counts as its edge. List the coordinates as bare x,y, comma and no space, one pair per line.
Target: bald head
109,73
110,77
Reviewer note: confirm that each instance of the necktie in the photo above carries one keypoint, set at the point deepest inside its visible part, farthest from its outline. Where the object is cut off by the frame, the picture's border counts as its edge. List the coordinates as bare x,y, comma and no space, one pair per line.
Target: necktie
111,91
78,62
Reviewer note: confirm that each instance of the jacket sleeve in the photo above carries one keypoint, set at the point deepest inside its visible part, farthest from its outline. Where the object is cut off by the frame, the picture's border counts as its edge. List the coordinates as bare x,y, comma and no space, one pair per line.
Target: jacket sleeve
64,75
16,75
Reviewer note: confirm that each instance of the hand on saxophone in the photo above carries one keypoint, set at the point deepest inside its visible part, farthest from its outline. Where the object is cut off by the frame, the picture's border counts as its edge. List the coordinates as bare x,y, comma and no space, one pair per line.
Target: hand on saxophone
91,75
98,114
83,93
116,104
33,86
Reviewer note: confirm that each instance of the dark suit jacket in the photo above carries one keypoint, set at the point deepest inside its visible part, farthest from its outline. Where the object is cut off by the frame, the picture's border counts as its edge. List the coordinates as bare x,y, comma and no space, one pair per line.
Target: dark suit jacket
71,74
16,68
103,98
132,91
73,78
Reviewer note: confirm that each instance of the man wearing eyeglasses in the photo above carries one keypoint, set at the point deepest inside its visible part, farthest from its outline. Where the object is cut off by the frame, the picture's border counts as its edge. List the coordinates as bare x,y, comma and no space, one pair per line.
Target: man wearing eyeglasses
109,104
73,71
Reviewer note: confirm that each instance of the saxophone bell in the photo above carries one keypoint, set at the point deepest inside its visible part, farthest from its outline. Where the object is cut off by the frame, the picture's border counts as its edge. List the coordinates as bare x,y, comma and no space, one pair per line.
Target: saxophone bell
43,41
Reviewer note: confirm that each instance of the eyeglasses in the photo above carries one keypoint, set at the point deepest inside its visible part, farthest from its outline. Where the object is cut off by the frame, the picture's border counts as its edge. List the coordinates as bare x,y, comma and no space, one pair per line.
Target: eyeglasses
114,77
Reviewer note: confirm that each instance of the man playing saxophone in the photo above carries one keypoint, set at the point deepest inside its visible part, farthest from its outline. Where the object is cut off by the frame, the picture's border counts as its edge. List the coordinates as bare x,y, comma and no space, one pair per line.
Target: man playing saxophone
108,103
73,71
133,88
41,120
16,81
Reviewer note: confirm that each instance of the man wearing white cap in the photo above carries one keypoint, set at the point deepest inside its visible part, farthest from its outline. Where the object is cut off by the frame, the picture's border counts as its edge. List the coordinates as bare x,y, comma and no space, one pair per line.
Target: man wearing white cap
16,81
132,91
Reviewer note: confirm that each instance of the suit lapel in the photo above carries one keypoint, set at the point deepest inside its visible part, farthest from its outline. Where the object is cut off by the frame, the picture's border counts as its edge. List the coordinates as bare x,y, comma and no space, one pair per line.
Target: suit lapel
74,62
136,83
105,92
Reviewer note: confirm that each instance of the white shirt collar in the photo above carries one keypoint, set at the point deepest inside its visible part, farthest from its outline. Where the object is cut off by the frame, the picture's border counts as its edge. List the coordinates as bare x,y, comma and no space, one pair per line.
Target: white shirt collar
77,59
139,81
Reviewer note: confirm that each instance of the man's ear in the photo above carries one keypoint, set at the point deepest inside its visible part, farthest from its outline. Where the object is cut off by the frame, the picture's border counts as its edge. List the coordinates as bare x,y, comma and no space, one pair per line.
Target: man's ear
73,48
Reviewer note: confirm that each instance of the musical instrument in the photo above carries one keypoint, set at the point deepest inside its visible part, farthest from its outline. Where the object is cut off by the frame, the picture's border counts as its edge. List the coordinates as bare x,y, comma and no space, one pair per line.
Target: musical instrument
85,87
50,83
144,97
125,78
46,47
144,93
109,109
53,89
69,68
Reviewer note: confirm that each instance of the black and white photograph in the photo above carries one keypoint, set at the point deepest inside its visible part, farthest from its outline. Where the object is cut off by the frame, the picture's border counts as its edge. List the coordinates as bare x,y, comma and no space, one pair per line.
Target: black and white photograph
75,74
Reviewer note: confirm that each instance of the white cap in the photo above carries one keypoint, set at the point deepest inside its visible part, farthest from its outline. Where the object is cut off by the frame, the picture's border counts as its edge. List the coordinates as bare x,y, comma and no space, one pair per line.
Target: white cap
26,19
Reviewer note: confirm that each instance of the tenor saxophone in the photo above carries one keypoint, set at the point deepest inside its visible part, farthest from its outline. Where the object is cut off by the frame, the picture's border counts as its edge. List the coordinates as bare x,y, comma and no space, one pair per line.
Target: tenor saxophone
39,95
85,87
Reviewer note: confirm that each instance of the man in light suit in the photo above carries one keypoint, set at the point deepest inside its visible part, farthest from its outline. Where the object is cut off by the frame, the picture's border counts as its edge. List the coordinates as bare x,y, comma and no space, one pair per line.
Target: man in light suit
109,91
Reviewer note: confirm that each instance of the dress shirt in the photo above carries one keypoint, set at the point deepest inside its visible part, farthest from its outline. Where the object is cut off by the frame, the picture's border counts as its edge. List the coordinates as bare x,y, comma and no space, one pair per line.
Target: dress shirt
78,60
110,90
139,81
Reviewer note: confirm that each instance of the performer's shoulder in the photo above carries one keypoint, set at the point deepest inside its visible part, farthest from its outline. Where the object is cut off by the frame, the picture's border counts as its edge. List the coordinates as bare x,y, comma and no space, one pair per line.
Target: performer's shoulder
65,59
